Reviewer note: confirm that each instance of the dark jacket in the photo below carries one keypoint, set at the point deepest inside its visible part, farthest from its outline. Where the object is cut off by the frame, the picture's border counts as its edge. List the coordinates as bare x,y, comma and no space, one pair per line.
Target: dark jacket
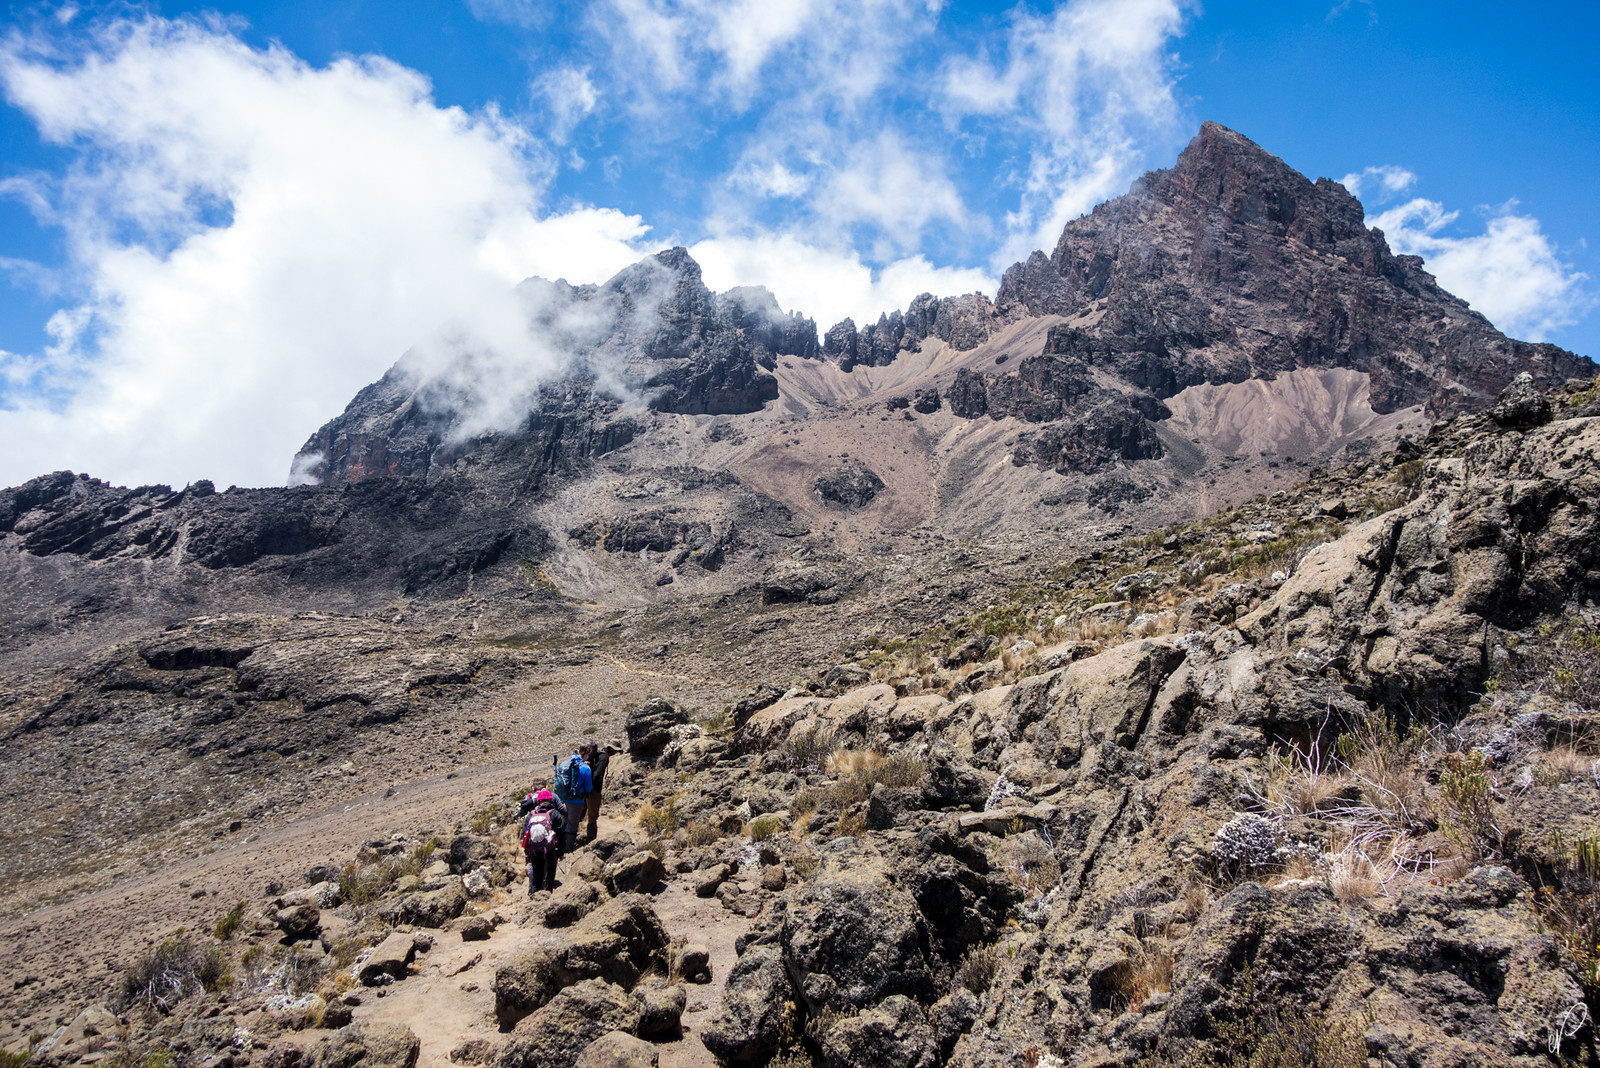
597,769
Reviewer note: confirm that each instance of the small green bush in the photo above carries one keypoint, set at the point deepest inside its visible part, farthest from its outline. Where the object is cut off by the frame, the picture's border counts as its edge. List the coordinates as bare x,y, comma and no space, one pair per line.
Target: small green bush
764,827
229,924
658,820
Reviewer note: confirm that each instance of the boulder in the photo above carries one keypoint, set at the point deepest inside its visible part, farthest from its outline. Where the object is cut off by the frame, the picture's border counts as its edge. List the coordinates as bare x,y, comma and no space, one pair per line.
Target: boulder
468,851
427,908
756,1012
618,942
650,727
371,1046
557,1034
660,1007
618,1049
951,781
299,922
476,929
714,877
892,1033
852,934
388,960
691,962
641,872
571,902
1520,405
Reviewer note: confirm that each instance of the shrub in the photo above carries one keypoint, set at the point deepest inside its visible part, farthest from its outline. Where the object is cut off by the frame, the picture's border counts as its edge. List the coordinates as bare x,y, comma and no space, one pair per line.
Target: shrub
173,970
695,834
764,827
361,885
851,825
806,800
1571,907
1244,843
1382,760
1466,813
229,924
1562,662
484,817
978,967
1269,1031
808,748
658,820
1030,862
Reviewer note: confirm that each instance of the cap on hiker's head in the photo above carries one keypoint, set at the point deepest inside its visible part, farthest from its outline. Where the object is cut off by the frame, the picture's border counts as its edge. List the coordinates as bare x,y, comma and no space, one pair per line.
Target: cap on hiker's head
594,746
545,795
614,745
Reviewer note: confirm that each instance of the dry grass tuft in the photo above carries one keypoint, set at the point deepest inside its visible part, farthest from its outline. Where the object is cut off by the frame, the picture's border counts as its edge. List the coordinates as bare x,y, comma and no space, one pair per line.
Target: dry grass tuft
979,966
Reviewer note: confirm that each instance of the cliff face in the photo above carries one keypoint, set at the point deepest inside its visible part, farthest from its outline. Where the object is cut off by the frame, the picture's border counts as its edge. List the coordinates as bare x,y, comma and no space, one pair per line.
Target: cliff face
1232,266
652,337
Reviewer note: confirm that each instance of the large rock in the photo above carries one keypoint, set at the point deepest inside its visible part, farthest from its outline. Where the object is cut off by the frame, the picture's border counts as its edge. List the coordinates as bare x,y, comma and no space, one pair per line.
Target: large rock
660,1007
388,960
574,900
892,1033
852,934
618,1049
952,781
430,908
299,923
557,1034
757,1009
369,1045
618,942
650,727
1521,405
641,871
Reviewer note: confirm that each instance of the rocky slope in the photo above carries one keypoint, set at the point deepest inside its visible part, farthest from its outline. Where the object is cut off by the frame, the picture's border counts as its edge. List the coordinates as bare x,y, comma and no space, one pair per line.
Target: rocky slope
1311,783
1089,645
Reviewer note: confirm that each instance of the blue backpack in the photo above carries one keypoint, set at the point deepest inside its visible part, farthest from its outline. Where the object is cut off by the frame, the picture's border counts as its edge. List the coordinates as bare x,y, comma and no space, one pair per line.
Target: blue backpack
569,782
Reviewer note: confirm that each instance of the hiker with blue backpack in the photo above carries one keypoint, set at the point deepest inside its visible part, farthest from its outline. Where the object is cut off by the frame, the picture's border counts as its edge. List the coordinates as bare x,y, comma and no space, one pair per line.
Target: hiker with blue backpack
542,834
573,783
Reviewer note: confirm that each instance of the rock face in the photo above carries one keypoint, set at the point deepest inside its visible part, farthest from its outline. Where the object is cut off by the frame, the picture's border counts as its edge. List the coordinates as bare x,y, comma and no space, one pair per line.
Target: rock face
691,351
1143,879
616,943
1143,278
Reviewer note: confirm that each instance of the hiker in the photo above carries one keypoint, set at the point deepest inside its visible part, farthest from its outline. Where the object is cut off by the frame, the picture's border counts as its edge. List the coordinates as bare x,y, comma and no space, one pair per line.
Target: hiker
542,835
598,759
572,786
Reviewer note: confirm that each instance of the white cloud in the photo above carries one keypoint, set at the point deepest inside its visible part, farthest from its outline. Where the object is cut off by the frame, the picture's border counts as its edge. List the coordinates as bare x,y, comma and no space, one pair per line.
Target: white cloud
255,239
1088,87
569,97
771,179
828,285
888,184
1511,272
1380,183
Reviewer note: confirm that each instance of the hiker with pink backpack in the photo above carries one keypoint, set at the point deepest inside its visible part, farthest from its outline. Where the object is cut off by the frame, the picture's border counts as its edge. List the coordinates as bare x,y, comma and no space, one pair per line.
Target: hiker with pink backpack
543,833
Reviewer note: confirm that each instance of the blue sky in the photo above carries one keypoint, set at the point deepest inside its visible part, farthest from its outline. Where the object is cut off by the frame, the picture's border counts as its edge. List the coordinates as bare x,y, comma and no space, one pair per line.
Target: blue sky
216,224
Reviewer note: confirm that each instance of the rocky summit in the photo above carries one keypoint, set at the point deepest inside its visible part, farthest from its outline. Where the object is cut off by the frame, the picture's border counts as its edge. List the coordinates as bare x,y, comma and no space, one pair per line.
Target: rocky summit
1189,657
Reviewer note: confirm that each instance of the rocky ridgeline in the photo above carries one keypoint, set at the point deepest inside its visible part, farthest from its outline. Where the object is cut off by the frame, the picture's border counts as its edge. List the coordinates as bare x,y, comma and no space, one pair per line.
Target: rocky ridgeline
1349,817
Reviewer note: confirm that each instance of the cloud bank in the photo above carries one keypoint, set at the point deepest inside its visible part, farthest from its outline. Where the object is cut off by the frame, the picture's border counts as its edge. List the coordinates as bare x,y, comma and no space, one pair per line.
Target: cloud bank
1511,273
254,240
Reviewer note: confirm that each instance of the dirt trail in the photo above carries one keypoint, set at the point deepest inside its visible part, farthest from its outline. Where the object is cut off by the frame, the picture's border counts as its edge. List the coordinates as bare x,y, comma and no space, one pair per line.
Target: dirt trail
449,1001
78,949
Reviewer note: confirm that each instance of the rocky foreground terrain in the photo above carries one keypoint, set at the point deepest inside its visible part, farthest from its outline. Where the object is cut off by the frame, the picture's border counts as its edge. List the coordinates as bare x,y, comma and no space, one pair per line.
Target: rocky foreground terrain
1188,657
1312,782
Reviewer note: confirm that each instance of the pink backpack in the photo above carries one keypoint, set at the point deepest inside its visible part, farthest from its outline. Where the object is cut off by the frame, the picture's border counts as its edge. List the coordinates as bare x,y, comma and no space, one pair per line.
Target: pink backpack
539,833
